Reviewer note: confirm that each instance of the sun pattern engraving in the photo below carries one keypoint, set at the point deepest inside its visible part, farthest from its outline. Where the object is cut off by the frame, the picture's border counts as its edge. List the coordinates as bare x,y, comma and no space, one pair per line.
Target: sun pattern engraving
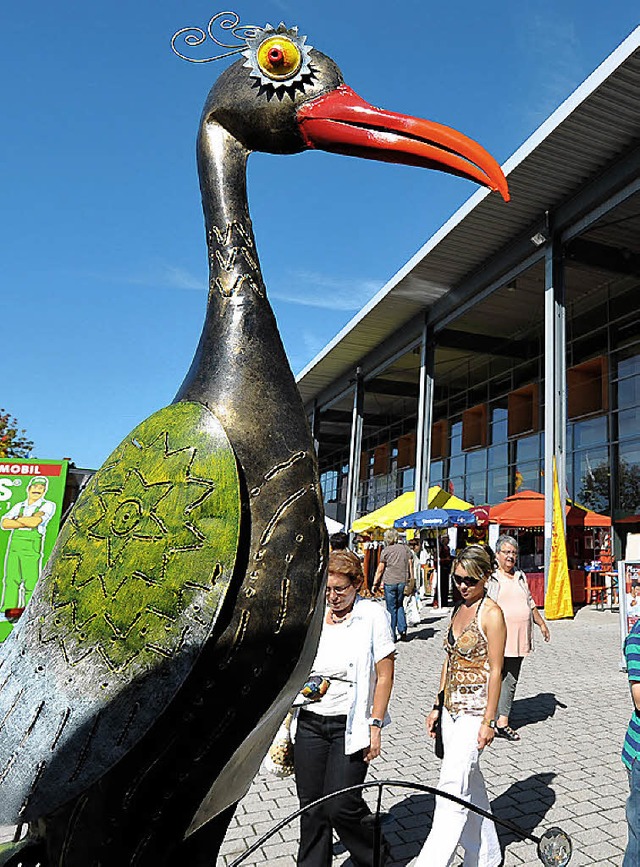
143,564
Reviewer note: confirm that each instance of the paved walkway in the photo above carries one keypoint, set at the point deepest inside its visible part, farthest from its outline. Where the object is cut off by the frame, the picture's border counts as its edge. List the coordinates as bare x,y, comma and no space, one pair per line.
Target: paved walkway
572,708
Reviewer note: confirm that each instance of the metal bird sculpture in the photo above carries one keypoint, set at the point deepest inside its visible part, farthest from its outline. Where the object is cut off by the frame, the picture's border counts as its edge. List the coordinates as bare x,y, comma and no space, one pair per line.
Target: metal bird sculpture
179,612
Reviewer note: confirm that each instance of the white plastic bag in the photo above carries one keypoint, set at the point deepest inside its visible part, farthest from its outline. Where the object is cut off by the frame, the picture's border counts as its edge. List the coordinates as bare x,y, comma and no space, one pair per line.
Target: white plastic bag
411,610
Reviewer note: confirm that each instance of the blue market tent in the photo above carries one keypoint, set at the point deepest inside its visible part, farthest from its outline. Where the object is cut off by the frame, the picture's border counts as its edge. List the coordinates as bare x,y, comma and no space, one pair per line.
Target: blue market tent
436,519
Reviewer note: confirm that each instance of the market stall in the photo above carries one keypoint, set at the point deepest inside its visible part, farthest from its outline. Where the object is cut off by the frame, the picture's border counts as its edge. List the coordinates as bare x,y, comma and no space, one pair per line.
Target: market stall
522,516
434,520
370,528
384,517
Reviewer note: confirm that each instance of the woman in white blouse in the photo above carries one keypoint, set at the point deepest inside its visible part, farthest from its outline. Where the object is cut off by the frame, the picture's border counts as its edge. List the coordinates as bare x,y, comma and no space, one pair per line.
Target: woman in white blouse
340,733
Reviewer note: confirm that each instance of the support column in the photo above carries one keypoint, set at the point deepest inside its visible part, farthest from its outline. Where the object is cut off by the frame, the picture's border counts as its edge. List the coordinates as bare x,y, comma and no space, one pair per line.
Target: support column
613,341
315,426
355,450
555,391
425,418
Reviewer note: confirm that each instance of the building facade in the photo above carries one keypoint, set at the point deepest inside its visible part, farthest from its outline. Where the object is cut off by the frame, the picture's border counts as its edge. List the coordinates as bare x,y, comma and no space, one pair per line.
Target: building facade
512,338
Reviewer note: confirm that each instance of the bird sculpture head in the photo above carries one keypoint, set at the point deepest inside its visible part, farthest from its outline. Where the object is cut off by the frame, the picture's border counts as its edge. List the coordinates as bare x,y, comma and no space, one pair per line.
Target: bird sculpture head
283,96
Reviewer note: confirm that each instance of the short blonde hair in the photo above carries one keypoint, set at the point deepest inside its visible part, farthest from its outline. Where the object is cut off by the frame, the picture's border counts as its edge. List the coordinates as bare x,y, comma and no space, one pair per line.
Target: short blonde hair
390,536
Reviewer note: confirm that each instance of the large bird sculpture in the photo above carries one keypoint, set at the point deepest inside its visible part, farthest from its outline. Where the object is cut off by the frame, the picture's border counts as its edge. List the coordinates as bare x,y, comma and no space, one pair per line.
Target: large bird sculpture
179,613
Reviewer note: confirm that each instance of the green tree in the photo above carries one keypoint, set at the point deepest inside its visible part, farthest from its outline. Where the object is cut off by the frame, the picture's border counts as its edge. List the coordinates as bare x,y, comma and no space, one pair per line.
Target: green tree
13,441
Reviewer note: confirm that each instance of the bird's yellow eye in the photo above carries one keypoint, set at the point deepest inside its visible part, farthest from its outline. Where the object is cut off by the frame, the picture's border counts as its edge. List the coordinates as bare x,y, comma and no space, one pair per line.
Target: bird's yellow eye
279,58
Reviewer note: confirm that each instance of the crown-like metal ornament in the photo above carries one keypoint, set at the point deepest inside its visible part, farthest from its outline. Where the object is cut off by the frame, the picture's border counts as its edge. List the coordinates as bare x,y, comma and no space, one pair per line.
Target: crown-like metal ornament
277,57
226,21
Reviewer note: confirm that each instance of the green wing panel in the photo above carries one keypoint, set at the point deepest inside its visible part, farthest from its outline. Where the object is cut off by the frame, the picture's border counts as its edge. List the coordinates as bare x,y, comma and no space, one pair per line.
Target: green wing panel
151,541
124,605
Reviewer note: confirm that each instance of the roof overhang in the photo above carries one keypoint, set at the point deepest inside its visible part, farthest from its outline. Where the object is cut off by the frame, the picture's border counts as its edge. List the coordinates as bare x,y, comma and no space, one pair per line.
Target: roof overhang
585,153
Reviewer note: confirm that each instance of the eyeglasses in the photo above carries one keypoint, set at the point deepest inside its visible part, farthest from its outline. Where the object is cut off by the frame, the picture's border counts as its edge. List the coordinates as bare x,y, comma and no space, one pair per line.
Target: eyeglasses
339,591
465,579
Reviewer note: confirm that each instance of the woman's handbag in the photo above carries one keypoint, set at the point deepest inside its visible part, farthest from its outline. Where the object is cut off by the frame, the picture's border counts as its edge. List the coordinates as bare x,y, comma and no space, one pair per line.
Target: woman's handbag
279,759
439,744
410,586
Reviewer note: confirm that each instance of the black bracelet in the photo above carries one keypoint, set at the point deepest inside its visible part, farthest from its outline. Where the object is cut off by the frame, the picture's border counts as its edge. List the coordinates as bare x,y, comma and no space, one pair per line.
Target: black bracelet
436,706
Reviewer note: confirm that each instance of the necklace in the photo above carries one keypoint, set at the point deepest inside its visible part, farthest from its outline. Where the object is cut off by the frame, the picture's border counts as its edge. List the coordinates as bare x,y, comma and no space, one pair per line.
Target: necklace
337,619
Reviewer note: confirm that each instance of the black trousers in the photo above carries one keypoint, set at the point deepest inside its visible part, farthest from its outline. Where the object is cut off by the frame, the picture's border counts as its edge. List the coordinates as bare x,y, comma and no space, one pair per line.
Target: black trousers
321,767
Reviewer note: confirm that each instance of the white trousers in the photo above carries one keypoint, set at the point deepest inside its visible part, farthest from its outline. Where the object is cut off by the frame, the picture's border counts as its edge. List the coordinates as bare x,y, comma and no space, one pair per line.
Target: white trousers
460,775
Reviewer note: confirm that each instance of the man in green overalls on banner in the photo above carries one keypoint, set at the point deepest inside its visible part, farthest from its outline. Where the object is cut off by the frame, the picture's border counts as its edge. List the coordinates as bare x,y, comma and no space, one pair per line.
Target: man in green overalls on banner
27,521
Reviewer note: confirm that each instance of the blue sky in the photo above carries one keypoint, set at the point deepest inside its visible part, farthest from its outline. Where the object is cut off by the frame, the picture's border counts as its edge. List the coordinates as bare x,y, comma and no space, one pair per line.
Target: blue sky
103,257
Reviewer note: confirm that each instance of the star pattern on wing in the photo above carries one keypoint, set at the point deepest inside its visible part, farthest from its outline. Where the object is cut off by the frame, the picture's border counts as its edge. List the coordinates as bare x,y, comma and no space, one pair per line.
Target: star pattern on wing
143,548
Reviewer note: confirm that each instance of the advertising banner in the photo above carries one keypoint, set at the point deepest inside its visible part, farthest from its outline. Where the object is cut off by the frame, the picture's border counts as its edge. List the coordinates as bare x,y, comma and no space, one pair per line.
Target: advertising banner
31,494
629,595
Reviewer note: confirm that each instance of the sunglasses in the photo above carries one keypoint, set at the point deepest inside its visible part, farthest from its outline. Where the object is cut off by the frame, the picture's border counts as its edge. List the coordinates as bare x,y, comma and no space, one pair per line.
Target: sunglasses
465,579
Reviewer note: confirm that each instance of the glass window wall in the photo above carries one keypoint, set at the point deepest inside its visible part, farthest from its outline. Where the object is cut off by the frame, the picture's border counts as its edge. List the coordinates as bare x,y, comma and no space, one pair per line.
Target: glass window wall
591,476
475,487
497,485
528,477
498,432
629,477
491,474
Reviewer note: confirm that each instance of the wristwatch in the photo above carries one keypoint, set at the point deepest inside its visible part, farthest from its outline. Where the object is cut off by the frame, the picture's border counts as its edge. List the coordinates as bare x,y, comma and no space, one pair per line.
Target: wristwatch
489,722
376,722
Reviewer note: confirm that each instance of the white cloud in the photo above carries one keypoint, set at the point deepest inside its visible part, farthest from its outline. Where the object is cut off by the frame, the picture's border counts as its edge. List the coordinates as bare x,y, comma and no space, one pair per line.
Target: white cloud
308,344
555,53
283,6
165,276
161,276
310,289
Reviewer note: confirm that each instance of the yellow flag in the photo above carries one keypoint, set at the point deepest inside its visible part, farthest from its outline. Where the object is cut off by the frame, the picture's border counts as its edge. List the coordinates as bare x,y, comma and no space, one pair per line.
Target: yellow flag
557,601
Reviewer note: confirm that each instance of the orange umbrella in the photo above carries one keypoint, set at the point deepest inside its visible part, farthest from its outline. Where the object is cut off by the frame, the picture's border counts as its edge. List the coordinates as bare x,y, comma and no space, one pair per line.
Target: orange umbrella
526,509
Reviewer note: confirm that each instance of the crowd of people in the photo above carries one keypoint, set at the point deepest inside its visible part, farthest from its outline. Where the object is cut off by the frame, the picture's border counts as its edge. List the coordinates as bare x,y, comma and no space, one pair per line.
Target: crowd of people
339,728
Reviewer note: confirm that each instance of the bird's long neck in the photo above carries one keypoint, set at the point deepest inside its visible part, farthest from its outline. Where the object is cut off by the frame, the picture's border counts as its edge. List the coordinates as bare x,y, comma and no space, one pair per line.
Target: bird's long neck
240,367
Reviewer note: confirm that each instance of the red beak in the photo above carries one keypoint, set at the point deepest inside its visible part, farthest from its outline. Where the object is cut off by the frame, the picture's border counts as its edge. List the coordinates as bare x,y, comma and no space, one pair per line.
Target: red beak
342,122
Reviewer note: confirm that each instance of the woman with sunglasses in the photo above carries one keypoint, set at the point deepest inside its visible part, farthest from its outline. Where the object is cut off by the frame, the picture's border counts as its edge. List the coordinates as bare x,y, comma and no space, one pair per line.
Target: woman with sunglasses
339,733
470,681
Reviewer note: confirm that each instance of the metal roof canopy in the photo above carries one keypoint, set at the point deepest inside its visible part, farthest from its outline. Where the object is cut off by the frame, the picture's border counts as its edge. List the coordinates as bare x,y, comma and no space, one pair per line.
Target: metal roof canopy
583,160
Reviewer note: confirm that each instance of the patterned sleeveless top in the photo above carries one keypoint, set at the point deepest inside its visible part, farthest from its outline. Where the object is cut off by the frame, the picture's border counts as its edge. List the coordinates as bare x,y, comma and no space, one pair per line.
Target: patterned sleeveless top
466,687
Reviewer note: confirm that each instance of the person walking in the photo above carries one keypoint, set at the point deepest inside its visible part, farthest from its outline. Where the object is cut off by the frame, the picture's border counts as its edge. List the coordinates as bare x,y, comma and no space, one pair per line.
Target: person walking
339,541
509,588
393,572
470,681
418,579
444,570
631,748
339,734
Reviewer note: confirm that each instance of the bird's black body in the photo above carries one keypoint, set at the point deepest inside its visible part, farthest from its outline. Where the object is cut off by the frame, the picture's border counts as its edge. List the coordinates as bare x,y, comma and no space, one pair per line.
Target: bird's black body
240,372
148,770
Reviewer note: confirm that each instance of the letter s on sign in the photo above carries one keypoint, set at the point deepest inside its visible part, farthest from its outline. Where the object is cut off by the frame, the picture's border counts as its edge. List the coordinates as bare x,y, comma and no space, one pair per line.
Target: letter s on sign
5,489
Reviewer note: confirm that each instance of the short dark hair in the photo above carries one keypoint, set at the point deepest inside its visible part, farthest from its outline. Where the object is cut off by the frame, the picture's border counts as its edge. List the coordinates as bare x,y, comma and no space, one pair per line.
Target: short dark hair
339,541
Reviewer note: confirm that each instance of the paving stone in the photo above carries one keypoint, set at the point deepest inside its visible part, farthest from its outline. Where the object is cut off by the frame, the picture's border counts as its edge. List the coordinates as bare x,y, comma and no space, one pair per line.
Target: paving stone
601,849
556,775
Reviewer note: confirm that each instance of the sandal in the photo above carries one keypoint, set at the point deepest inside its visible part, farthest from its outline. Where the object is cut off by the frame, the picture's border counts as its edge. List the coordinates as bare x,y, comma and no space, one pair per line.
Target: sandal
507,732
